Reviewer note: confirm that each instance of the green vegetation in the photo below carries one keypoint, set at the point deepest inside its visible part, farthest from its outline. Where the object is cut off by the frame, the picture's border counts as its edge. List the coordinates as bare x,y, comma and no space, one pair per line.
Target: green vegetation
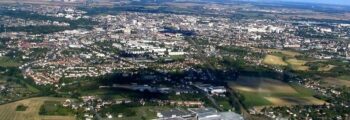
55,108
8,62
125,109
274,60
256,91
132,111
344,77
223,102
17,86
253,99
174,58
302,90
21,108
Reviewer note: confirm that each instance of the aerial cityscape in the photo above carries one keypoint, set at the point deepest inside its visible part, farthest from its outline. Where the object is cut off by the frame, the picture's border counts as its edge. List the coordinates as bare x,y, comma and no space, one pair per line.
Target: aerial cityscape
174,60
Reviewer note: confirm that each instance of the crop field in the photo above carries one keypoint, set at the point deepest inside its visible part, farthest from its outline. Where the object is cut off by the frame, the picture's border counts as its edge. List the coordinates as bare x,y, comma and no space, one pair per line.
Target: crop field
274,60
329,81
326,68
284,58
344,77
298,64
294,100
265,92
290,54
8,111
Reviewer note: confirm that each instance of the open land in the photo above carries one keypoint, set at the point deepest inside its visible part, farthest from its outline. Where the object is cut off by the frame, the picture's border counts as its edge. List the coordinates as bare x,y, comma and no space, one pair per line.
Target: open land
265,92
274,60
329,81
276,57
8,111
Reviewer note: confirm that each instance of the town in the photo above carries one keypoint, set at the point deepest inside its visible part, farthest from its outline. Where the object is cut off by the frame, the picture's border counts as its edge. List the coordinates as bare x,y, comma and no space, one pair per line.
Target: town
174,60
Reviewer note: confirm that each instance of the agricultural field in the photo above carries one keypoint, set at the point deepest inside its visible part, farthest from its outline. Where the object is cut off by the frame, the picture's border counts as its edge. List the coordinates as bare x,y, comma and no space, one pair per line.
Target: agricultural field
326,68
9,112
287,53
285,58
344,77
265,92
298,64
340,81
274,60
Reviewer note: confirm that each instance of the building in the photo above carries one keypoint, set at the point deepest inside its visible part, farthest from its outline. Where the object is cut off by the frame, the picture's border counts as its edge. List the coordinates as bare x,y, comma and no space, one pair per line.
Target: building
176,114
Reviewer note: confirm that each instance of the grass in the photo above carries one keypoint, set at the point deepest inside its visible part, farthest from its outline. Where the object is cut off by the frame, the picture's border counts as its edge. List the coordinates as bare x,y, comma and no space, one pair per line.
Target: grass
261,85
133,112
298,64
8,62
31,88
344,77
223,103
329,81
302,90
21,108
146,112
287,53
277,59
263,92
55,108
8,111
252,99
284,58
326,68
274,60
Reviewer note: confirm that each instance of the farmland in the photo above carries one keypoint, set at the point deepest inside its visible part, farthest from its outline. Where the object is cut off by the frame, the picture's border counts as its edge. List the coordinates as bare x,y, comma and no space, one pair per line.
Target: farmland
8,111
285,58
286,53
329,81
344,77
298,64
265,92
274,60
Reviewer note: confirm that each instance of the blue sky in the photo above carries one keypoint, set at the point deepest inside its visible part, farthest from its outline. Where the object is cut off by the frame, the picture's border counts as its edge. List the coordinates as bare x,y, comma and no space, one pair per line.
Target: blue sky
338,2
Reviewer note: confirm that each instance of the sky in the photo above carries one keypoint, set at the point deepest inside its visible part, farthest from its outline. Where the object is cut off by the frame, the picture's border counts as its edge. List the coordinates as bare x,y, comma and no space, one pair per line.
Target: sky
338,2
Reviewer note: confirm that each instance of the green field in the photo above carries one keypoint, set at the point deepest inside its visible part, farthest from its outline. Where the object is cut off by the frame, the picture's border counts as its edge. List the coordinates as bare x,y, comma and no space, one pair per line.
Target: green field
55,108
298,64
223,102
252,99
264,92
330,81
33,105
344,77
287,53
8,62
133,112
285,58
274,60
